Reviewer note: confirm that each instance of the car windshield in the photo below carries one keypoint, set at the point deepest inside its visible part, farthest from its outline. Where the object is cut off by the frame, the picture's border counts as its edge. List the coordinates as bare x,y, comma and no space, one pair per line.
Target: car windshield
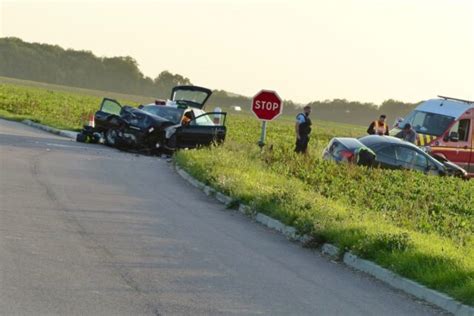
428,123
196,97
171,114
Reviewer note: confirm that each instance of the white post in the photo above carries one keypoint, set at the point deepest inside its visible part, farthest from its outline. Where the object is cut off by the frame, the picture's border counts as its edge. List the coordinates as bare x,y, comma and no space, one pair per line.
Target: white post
217,117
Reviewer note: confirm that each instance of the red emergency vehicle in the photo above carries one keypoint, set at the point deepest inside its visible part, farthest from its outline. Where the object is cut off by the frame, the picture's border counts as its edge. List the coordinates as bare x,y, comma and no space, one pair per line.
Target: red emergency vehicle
445,127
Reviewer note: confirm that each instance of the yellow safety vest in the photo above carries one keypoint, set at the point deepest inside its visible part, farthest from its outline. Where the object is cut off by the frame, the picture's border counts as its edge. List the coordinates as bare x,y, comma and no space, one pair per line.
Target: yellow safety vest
380,128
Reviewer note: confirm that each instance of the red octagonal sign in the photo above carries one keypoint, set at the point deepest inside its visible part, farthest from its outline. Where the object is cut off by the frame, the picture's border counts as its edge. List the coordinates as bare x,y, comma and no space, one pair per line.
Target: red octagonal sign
267,105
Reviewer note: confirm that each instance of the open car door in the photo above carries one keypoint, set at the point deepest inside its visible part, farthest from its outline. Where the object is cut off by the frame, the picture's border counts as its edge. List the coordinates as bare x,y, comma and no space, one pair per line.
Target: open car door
203,130
108,109
191,96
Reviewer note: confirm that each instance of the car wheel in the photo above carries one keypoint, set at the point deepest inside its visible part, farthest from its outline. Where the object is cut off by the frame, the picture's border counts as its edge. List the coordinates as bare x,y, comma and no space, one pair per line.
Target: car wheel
95,138
111,137
81,138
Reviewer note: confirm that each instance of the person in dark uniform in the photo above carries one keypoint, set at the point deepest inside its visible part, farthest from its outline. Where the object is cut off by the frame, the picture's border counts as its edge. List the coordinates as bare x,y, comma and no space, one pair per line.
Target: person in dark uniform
303,129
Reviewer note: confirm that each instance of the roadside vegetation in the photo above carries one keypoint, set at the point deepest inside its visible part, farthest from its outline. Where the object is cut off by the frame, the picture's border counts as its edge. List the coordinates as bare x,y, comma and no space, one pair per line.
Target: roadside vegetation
56,108
418,226
78,91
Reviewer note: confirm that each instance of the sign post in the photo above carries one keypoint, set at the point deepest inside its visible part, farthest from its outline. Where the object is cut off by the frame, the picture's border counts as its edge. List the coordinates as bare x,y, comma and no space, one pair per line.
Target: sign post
266,105
263,134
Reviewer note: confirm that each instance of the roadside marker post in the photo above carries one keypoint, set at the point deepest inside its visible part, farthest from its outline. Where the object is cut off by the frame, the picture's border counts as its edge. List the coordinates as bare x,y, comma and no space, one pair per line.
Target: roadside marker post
91,120
217,118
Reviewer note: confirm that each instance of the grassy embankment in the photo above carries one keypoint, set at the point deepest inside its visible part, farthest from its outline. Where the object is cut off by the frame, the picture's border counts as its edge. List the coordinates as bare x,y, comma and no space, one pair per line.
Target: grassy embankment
58,106
420,227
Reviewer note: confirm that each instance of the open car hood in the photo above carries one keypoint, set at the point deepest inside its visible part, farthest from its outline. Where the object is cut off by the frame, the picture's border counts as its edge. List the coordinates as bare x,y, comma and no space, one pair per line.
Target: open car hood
192,96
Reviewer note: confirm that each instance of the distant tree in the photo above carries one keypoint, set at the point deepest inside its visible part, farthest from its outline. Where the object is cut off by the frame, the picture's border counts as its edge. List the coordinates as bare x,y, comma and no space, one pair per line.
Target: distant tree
166,81
53,64
394,109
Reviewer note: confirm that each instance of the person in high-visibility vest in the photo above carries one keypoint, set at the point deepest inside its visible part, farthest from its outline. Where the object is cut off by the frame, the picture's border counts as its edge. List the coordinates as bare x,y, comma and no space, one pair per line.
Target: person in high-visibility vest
378,127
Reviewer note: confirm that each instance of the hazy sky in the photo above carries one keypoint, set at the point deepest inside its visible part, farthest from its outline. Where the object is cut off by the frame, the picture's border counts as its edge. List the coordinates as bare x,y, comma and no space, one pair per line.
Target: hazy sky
365,50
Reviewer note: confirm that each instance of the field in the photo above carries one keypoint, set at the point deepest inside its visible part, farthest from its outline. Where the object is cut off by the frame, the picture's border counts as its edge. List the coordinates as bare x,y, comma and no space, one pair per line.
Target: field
79,91
418,226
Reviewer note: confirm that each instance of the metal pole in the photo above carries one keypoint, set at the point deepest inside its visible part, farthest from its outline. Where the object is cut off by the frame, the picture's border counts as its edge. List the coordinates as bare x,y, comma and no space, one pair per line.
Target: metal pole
261,142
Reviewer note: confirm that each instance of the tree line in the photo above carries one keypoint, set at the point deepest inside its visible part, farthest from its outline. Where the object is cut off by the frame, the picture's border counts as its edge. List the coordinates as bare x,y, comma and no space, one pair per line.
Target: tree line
77,68
53,64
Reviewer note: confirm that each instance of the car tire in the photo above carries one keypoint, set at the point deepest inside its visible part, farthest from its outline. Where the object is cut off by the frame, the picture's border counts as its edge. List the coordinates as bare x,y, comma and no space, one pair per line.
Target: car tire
81,138
111,137
95,138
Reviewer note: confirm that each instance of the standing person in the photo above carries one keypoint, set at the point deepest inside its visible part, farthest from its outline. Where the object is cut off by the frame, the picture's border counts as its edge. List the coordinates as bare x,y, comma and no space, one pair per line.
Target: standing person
378,127
408,134
303,129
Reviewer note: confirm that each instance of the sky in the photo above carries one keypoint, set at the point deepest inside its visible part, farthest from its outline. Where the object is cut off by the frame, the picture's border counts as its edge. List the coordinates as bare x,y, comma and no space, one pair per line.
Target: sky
306,50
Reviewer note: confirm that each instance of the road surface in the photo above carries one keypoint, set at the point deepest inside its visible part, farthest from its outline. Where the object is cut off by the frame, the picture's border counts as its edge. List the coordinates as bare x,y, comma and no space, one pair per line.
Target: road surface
89,230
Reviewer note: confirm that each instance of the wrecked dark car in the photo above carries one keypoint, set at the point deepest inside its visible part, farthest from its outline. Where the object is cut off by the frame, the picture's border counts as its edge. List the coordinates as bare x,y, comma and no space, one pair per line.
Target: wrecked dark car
160,127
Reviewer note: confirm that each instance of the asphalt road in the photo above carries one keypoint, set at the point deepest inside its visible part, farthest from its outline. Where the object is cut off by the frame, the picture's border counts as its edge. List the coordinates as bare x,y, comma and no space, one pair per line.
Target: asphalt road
89,230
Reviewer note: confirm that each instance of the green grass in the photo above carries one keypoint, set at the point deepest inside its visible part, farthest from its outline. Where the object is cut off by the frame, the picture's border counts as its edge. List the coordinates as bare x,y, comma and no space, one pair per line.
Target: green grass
60,109
418,226
78,91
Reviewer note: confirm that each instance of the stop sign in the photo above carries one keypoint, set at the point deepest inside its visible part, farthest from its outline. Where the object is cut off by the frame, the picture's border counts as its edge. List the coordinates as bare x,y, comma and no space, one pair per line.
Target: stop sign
267,105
